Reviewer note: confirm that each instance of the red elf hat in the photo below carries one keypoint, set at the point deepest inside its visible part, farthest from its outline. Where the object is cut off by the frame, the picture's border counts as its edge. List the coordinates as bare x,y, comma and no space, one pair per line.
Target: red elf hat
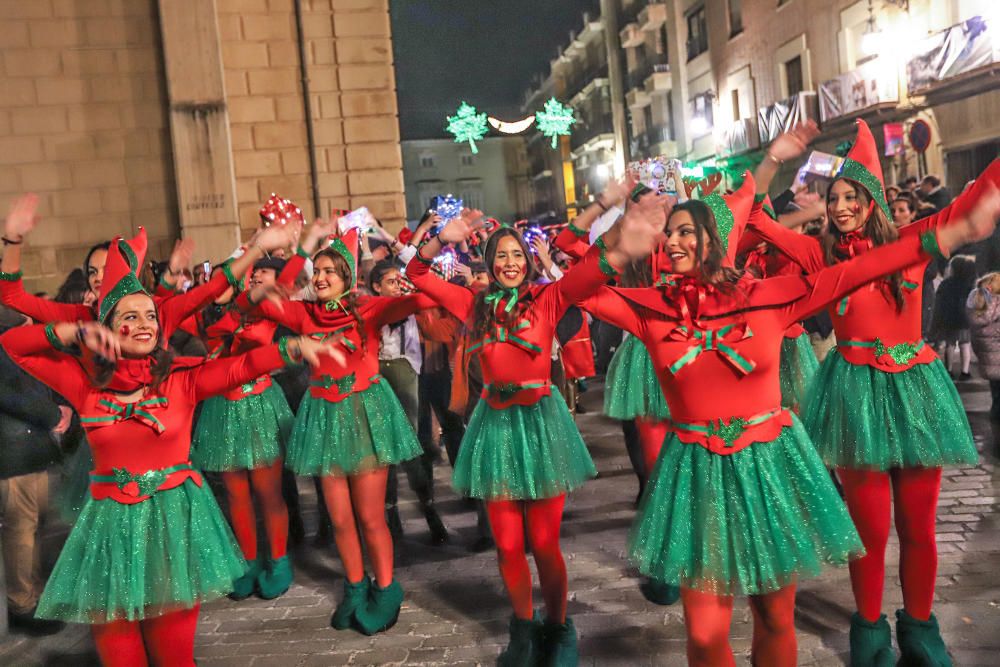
347,247
121,272
862,165
731,213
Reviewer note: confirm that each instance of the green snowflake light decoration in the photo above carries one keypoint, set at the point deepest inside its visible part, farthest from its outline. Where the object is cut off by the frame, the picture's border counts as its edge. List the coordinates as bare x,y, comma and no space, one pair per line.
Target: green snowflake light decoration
554,120
467,125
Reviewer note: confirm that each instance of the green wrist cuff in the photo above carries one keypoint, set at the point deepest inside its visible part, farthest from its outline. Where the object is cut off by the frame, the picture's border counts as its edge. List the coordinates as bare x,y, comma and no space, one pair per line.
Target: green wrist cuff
11,277
929,243
576,231
50,334
606,267
421,258
283,351
164,284
301,253
759,197
230,278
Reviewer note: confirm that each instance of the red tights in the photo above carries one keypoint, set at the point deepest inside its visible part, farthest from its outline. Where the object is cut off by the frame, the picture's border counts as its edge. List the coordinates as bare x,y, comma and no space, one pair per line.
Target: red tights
914,492
543,518
651,436
707,619
163,641
266,486
359,500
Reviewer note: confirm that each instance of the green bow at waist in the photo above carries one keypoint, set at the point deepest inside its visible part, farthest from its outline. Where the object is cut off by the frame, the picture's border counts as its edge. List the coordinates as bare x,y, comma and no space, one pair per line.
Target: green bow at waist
146,483
900,353
715,340
502,334
731,431
123,411
506,390
344,384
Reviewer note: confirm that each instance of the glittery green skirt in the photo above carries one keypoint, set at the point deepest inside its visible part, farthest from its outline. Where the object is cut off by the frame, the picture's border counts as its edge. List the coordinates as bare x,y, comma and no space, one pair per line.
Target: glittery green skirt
365,431
861,417
744,524
130,562
631,389
522,452
244,434
797,369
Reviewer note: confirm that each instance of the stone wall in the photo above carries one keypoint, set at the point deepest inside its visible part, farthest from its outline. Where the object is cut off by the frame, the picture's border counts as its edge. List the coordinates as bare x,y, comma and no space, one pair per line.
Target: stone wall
84,122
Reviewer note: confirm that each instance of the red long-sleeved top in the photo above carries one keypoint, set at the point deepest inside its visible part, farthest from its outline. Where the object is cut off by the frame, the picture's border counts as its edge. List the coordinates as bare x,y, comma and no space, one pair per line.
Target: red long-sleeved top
329,380
717,355
157,433
870,314
516,356
173,308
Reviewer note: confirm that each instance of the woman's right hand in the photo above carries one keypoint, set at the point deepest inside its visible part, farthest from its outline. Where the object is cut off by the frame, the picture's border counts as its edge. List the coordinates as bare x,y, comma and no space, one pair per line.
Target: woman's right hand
461,228
22,217
310,350
793,143
93,336
979,223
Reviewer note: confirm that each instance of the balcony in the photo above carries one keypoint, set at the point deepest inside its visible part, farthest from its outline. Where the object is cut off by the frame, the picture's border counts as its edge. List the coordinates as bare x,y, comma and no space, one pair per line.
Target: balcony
653,16
650,142
631,36
656,64
739,137
871,87
956,61
592,127
630,11
774,119
580,79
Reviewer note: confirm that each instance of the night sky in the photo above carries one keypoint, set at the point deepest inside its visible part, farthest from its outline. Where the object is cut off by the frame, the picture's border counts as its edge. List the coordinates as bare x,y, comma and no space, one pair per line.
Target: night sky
483,52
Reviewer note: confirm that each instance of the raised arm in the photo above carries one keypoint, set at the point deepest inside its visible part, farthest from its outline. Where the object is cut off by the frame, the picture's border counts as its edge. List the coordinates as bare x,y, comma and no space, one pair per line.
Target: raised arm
962,205
456,299
38,349
802,249
290,314
13,295
610,306
382,310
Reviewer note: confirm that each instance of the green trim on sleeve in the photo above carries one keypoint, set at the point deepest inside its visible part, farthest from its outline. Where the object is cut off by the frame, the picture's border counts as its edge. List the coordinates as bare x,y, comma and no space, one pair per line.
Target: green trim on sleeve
11,277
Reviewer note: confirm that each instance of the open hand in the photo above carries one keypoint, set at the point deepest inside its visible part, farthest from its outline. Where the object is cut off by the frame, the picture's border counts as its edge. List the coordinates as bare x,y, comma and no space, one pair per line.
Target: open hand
310,350
22,217
793,143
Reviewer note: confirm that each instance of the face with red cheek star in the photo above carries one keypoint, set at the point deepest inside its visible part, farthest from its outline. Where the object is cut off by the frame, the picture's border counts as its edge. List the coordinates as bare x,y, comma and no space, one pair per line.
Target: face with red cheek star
137,325
327,282
845,208
510,266
682,244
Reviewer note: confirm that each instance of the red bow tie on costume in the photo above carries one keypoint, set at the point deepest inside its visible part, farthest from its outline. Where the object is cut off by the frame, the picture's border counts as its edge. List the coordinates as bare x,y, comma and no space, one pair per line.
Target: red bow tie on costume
852,244
688,295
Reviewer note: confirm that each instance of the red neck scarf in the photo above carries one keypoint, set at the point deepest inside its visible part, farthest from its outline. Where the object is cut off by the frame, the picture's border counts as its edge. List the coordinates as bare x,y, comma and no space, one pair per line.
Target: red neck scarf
852,244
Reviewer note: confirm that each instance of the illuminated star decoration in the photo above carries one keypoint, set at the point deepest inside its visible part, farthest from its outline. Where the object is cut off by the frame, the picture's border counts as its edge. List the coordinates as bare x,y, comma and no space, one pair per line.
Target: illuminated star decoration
467,125
532,233
554,120
448,207
444,264
280,210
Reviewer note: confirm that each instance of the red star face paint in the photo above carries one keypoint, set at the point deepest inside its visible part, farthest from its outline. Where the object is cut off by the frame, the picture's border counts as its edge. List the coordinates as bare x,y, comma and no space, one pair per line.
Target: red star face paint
124,331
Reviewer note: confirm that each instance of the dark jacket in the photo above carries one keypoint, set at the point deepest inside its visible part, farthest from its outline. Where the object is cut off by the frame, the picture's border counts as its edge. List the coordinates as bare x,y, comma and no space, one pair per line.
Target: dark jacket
28,413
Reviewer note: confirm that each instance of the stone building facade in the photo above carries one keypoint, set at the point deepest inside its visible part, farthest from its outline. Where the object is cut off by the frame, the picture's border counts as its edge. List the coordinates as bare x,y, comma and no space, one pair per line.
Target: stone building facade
85,118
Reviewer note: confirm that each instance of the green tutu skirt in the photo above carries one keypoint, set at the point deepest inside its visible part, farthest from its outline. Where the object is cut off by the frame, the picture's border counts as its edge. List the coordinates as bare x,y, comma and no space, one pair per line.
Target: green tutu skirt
631,389
861,417
365,431
798,367
522,452
244,434
745,524
131,562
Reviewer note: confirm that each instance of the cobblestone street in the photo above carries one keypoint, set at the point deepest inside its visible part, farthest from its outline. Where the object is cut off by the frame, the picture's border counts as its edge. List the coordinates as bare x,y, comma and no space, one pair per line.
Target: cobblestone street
456,613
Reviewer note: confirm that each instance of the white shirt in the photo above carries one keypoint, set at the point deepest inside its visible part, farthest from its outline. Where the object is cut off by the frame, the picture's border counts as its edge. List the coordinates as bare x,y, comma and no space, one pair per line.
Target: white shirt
402,342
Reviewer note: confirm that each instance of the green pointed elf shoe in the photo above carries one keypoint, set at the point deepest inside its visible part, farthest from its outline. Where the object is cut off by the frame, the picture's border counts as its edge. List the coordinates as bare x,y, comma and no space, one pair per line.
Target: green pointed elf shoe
355,597
920,643
559,644
275,578
659,592
243,587
382,609
525,647
871,643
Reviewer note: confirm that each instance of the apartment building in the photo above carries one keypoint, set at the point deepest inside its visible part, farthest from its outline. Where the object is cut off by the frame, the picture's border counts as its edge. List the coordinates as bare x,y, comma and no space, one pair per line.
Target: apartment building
713,82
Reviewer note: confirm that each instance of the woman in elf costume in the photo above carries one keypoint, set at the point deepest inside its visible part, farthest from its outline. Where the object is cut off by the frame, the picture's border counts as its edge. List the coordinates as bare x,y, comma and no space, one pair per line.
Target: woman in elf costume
242,433
151,544
350,427
522,451
883,410
739,502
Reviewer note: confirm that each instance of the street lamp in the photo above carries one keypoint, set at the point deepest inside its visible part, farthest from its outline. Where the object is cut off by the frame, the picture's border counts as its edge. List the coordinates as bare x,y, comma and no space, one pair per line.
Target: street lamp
699,124
869,40
603,172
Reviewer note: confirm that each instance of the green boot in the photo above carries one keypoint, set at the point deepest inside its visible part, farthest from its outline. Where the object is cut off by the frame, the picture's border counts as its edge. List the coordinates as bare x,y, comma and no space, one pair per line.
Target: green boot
355,597
525,643
382,609
871,643
659,592
243,586
920,643
559,644
273,581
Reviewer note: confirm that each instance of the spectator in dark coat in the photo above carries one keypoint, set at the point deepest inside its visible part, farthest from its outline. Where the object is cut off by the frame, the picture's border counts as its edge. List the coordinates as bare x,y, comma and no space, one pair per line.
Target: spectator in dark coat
950,326
31,423
932,192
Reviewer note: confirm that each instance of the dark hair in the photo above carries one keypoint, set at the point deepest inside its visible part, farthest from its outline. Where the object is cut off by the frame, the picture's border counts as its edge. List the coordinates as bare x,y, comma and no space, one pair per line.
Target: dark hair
911,201
638,273
349,300
878,227
711,268
163,356
483,317
963,270
105,246
380,270
74,288
931,180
